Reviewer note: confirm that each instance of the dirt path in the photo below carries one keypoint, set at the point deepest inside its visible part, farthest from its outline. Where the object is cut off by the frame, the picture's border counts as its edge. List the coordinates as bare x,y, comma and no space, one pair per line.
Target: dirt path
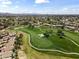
18,28
21,54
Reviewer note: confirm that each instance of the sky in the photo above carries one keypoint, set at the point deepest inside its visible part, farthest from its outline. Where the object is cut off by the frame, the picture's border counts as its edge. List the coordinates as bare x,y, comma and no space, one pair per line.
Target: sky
40,6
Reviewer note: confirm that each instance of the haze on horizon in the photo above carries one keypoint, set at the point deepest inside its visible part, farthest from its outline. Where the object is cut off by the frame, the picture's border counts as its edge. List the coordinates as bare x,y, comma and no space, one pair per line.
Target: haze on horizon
40,6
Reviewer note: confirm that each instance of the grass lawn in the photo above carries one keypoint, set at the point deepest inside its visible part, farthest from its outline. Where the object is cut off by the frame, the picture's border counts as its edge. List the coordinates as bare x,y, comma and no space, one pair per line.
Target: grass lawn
74,36
53,42
33,54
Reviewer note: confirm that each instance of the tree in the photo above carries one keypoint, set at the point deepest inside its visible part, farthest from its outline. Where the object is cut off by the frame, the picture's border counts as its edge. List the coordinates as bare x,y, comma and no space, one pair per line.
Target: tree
48,33
60,33
63,26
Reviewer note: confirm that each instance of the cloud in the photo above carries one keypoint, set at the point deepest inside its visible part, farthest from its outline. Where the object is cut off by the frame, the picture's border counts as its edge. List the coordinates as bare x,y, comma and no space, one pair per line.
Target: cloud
5,2
7,6
41,1
67,10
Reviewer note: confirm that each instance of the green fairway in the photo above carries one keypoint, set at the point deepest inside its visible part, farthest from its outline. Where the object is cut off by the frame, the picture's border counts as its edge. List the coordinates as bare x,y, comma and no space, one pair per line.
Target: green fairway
74,36
53,42
33,54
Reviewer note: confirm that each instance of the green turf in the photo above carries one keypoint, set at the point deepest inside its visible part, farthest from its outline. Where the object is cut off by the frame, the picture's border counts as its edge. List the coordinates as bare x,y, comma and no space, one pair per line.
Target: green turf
33,54
53,42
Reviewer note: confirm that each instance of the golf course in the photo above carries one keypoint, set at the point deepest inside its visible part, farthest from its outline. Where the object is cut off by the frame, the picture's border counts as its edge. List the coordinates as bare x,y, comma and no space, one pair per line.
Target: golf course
50,42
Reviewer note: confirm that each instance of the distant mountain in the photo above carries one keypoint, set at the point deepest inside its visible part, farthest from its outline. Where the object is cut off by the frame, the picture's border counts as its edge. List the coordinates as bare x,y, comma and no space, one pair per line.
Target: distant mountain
6,14
11,14
26,14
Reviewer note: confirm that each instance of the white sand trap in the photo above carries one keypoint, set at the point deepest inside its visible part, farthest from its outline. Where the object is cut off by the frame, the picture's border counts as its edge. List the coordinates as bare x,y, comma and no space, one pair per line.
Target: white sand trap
41,35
